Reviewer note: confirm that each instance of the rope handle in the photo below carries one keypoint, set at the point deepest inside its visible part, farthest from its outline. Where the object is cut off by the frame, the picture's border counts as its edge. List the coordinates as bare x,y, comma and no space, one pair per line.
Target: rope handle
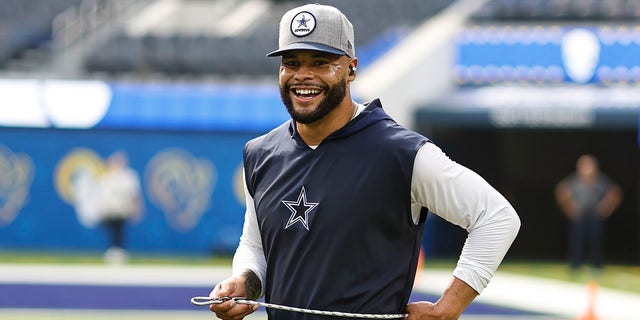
205,301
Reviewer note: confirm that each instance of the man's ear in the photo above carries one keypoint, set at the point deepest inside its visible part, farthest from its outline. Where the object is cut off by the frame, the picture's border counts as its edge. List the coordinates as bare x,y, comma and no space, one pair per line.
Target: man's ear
353,67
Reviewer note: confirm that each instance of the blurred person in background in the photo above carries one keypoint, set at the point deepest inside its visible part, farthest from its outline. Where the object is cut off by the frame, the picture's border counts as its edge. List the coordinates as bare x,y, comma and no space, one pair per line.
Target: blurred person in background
587,197
337,196
120,201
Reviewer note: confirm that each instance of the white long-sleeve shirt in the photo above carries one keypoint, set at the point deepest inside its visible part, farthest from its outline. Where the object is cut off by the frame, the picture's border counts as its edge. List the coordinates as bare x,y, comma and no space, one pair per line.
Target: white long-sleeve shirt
449,190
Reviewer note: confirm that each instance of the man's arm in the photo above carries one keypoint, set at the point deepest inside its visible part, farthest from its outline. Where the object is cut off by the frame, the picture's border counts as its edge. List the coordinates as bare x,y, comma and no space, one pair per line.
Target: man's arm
611,201
462,197
252,285
249,268
250,255
562,193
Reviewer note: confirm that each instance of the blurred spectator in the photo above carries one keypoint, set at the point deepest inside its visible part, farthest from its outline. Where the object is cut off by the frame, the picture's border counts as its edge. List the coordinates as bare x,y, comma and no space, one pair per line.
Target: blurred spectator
587,197
120,201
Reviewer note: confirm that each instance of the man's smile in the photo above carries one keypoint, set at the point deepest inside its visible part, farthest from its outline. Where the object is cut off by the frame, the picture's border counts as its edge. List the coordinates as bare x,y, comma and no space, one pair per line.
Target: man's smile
306,93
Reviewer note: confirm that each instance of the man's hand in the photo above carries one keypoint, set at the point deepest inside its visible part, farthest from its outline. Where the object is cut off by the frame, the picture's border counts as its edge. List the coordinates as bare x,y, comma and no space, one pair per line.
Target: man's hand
450,306
240,286
421,311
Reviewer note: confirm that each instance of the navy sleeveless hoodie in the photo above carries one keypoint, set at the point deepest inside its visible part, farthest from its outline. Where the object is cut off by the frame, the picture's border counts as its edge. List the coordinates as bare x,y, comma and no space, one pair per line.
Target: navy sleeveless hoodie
336,221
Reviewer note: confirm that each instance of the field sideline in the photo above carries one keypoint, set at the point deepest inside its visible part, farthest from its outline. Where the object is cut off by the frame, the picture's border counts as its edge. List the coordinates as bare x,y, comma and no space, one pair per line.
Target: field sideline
542,291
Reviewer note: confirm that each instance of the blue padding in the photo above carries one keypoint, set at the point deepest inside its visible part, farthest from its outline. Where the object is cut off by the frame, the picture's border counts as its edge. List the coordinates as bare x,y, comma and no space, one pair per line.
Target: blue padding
246,108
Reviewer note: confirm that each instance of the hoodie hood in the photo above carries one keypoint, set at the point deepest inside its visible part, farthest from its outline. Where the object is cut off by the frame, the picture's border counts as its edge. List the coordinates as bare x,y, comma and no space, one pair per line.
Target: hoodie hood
371,114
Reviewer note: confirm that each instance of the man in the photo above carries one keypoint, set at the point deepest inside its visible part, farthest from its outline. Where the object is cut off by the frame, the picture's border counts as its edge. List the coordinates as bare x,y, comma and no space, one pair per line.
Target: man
587,197
337,197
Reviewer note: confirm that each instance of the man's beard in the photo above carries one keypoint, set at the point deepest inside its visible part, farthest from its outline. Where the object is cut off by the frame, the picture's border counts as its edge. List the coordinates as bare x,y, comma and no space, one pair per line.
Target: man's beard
334,96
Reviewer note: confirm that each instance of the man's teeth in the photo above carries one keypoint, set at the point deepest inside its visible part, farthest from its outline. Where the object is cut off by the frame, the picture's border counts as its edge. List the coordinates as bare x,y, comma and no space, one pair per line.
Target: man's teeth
307,91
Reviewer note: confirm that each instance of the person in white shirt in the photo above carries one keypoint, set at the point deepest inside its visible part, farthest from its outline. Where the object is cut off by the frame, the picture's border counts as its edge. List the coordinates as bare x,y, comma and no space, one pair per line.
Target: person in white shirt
120,201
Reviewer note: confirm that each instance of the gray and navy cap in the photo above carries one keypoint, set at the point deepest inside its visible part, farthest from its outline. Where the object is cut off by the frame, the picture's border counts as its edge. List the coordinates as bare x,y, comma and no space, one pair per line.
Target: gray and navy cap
315,27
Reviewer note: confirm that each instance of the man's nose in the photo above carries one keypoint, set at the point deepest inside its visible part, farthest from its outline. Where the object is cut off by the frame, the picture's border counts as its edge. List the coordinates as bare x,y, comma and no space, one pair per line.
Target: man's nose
304,71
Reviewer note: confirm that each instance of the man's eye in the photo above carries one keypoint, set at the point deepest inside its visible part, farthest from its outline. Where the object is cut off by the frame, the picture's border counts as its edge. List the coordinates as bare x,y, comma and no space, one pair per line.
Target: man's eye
289,64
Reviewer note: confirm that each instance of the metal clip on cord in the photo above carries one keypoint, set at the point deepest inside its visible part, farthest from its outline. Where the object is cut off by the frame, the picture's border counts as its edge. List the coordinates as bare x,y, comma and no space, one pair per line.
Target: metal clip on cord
205,301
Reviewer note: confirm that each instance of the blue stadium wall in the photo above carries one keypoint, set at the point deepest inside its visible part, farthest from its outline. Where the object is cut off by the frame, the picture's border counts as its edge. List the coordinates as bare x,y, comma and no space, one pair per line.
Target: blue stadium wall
185,142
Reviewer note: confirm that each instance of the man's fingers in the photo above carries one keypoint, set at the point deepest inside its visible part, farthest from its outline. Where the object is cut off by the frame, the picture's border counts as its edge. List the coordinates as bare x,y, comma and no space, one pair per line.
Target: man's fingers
222,289
231,310
220,307
215,293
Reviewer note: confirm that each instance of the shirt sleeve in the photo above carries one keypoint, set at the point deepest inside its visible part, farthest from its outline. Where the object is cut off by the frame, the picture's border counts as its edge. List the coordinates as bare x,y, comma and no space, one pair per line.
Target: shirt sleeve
462,197
250,255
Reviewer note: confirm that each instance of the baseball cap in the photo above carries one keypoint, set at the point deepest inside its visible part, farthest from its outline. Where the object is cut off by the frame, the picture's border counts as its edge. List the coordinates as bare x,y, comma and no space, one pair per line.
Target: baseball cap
315,27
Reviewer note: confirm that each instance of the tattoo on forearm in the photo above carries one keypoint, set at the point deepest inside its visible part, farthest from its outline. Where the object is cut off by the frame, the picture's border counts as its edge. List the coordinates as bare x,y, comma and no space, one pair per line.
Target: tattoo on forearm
252,285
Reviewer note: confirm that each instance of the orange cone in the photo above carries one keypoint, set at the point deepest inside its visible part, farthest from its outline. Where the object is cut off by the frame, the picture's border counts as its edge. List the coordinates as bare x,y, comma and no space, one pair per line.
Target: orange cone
592,294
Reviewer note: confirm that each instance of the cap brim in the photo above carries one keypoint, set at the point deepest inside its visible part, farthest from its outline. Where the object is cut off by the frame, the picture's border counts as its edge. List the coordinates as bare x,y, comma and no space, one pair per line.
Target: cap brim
306,46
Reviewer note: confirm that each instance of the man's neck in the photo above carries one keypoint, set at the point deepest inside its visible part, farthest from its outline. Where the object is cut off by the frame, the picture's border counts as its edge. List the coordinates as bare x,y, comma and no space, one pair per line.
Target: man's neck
314,133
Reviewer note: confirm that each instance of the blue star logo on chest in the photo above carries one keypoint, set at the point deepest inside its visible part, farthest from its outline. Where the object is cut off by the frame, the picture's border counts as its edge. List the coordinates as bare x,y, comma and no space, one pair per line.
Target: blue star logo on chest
300,210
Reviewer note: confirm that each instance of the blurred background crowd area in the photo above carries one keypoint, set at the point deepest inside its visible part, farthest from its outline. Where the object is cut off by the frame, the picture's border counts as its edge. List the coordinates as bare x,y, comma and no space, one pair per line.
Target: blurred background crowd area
514,89
197,38
204,38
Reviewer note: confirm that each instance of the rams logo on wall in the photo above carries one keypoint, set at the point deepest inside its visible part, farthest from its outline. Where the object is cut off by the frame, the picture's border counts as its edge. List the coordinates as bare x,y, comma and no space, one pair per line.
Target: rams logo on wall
16,175
181,186
75,181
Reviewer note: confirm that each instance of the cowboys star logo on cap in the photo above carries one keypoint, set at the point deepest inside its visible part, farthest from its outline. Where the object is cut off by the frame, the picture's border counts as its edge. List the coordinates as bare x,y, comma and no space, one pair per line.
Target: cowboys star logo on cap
303,24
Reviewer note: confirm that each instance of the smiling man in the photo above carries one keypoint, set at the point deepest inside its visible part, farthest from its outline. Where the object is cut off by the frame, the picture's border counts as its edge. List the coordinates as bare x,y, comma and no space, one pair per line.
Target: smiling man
337,197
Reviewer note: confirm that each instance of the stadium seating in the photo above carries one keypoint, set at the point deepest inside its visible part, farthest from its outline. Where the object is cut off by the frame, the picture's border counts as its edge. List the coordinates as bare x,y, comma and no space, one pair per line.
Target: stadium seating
27,24
200,54
560,10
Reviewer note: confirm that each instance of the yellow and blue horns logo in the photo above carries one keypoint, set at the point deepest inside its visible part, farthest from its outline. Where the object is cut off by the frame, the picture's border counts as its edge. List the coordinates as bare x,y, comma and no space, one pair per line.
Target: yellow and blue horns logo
76,181
181,185
16,175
